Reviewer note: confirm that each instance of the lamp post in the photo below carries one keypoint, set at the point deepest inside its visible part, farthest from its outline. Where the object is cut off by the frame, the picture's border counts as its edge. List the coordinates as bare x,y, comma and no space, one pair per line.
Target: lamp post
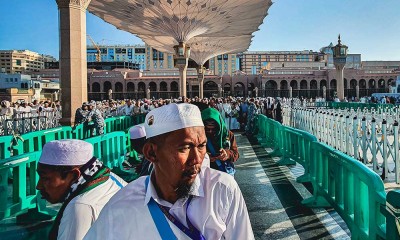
339,60
200,78
182,54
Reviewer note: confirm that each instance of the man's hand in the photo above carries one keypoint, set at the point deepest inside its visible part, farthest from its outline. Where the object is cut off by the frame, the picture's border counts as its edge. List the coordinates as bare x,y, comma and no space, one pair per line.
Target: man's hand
223,156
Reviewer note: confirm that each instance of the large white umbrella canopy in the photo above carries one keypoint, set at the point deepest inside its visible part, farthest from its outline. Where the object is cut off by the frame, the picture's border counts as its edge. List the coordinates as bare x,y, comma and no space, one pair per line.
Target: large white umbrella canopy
183,20
203,48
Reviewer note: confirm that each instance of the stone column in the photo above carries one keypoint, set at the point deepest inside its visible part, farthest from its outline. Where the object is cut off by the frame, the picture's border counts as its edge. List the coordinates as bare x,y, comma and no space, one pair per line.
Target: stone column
290,92
73,69
182,79
324,92
358,92
340,81
200,78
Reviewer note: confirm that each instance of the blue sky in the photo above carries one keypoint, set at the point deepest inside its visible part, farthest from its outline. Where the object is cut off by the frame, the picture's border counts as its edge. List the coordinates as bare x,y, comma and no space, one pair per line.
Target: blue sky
369,27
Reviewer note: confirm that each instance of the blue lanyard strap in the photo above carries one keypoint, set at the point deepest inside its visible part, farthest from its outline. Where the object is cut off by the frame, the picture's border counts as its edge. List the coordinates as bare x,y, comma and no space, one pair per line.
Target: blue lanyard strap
212,151
163,226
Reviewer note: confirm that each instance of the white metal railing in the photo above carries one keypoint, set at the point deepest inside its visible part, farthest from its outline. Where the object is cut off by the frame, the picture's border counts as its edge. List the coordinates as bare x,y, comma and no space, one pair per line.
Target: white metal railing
371,136
28,122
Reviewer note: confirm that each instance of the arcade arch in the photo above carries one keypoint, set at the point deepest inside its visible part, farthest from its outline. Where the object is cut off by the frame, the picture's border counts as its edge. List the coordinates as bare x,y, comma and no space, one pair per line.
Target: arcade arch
130,87
96,87
163,86
119,87
106,86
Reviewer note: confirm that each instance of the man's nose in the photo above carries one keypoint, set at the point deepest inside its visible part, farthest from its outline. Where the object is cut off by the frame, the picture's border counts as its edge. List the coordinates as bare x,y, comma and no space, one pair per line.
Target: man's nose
195,156
39,185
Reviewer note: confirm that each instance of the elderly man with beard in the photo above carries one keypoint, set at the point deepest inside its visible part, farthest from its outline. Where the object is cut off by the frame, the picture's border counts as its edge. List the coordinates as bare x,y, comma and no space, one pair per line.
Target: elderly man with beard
180,199
71,175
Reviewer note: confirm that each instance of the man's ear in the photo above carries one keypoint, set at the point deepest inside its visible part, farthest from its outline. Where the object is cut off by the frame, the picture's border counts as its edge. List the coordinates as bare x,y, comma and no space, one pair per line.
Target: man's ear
149,151
74,174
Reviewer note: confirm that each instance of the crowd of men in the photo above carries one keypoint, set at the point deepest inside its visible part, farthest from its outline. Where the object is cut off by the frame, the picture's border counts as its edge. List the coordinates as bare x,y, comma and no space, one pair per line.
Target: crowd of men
186,190
234,111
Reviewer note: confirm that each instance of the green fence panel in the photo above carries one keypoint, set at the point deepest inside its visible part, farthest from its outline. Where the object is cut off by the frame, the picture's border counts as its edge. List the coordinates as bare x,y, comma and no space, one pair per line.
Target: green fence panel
111,149
261,124
278,140
138,119
21,170
34,141
305,154
81,131
352,189
291,146
5,144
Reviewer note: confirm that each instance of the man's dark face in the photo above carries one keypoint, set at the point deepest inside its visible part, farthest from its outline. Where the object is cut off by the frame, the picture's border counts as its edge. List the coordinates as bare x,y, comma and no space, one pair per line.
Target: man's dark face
54,185
211,129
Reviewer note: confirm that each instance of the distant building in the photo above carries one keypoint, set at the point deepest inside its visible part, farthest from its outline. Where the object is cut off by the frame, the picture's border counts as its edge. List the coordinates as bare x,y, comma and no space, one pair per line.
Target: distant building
252,62
135,54
226,64
352,60
22,61
42,88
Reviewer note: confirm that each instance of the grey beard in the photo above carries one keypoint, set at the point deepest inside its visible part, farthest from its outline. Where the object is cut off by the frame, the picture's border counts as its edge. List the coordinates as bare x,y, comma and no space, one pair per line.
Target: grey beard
183,190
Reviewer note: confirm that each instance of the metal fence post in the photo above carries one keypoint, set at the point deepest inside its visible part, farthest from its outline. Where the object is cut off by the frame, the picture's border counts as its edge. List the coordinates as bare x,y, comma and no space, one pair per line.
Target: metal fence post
374,143
364,140
355,136
396,151
384,141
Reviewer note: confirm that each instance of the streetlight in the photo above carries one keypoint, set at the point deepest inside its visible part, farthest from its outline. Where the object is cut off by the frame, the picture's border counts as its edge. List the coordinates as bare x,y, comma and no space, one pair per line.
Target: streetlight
339,60
182,54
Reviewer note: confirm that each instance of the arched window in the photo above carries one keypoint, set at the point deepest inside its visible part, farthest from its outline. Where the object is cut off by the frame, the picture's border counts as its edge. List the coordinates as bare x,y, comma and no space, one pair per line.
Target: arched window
163,86
119,87
313,84
153,86
333,84
141,87
174,86
130,87
96,87
106,86
293,84
303,84
284,85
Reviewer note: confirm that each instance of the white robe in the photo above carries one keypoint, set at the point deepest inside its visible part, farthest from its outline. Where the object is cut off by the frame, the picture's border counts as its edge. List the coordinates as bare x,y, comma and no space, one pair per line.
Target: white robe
217,210
84,209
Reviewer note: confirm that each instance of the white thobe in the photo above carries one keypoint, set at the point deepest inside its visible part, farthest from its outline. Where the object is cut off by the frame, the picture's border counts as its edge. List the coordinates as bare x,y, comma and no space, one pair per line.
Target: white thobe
217,210
84,209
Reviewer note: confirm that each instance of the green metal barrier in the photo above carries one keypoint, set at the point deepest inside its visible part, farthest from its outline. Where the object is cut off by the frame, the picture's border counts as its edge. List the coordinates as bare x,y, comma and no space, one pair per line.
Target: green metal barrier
352,189
5,143
339,181
111,149
355,105
139,118
34,141
291,146
24,195
305,154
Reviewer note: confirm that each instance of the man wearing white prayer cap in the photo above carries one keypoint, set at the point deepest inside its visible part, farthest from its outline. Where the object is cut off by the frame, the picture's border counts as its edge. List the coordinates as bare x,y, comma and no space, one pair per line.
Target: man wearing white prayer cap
180,199
70,174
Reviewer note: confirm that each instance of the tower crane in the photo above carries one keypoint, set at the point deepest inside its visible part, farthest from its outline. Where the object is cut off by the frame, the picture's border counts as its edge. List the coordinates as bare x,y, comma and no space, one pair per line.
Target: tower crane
98,54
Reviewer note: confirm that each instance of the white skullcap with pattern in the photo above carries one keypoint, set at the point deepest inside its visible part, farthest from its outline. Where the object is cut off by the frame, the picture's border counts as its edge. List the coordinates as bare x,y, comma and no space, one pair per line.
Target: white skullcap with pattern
172,117
68,152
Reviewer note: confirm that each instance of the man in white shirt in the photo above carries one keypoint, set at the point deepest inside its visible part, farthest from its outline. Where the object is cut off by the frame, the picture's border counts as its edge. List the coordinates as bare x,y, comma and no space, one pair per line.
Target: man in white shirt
69,174
127,110
181,199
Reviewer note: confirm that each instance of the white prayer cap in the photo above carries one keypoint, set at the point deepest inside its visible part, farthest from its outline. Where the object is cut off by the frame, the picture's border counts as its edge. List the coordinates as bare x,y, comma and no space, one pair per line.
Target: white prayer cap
137,131
172,117
68,152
